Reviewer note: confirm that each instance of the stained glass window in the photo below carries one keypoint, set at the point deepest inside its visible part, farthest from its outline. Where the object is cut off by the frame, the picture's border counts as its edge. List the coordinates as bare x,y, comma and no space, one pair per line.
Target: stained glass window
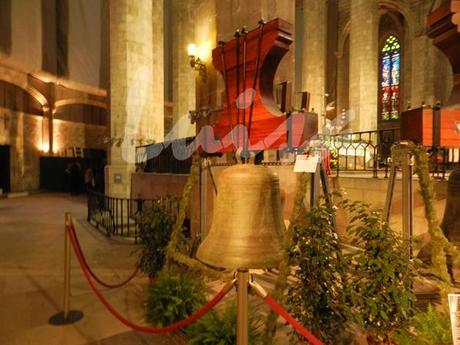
390,78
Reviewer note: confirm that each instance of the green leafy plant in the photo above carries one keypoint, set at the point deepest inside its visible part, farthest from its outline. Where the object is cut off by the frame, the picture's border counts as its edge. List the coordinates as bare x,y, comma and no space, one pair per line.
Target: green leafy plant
431,328
219,328
154,234
434,326
317,298
173,297
381,277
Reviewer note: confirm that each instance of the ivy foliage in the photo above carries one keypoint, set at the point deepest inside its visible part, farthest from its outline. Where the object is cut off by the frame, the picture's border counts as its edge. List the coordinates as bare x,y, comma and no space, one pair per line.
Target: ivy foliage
174,297
154,234
219,328
284,268
439,243
174,256
381,275
317,299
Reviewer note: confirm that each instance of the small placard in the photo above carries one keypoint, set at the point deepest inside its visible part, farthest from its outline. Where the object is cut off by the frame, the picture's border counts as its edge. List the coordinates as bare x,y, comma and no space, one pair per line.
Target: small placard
306,163
117,179
455,317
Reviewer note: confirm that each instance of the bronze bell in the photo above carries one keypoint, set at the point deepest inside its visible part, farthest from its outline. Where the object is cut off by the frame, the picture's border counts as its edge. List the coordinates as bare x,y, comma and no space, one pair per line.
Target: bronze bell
451,221
247,225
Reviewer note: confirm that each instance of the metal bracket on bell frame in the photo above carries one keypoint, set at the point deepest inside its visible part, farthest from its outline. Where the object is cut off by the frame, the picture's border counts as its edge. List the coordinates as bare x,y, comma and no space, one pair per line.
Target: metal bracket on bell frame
402,157
317,178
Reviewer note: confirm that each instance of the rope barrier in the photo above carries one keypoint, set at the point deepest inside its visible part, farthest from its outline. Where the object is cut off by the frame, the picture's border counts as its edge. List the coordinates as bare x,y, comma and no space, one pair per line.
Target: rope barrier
277,308
144,329
90,271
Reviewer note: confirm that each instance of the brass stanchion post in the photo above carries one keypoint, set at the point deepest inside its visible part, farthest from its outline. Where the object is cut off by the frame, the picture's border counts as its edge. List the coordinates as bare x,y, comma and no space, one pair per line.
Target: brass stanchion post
67,262
66,316
242,307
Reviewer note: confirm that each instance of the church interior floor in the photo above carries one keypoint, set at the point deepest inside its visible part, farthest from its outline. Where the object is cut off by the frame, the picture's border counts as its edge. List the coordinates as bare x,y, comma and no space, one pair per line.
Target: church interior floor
31,277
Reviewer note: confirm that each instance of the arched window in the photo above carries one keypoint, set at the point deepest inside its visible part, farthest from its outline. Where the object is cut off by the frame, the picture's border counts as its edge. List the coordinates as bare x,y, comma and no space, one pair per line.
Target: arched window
390,93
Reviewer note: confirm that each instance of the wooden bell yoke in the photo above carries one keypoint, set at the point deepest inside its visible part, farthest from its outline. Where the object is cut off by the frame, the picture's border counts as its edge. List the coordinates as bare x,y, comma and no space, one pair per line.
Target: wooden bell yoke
248,64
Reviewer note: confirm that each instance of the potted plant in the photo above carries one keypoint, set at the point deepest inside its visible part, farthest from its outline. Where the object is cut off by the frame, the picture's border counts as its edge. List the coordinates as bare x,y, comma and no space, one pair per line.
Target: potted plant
154,234
381,275
317,298
219,328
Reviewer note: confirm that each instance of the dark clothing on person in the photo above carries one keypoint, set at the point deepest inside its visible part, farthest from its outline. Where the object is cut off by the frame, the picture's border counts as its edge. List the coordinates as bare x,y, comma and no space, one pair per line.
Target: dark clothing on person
75,179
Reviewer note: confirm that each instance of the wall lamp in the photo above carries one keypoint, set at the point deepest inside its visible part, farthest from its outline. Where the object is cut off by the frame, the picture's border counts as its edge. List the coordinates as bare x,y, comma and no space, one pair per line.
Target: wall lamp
195,61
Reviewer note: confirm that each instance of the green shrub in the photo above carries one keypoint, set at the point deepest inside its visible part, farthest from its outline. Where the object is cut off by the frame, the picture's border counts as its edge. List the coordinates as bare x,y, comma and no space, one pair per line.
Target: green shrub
173,297
154,234
433,326
381,278
219,328
317,298
429,328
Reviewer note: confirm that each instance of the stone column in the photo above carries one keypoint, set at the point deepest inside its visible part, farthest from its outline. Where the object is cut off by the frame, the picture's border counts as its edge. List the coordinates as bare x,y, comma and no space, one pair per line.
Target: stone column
183,14
136,86
314,54
247,13
364,64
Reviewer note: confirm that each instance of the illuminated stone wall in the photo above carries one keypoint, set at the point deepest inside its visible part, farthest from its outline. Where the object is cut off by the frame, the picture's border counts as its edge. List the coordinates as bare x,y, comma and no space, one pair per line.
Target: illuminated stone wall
23,133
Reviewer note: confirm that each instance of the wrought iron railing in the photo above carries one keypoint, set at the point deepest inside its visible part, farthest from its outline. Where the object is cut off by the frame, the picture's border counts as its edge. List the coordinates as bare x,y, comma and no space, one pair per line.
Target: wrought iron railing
361,151
122,217
370,151
367,151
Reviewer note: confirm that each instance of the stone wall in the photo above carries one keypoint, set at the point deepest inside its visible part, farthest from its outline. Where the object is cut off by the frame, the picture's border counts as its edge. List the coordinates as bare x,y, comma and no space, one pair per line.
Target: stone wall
74,134
368,189
426,74
152,186
24,133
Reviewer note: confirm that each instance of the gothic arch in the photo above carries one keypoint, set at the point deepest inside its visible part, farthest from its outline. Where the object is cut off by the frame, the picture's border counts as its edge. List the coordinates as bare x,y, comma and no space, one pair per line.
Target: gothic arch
31,91
403,9
73,101
343,36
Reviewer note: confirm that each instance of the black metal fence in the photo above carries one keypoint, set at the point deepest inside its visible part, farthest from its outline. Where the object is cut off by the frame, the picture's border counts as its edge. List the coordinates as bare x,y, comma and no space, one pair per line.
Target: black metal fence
122,217
370,151
173,157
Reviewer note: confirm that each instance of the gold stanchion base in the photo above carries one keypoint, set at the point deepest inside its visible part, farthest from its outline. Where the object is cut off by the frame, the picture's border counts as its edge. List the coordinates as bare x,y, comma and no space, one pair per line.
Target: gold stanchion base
59,319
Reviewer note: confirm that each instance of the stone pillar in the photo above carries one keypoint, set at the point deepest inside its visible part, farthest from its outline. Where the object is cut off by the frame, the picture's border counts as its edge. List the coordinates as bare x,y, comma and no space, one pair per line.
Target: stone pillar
247,13
343,77
207,93
314,54
423,72
183,14
136,86
364,64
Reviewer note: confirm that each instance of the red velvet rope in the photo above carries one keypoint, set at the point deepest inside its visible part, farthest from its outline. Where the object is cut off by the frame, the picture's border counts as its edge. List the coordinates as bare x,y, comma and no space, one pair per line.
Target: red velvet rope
157,330
294,323
90,271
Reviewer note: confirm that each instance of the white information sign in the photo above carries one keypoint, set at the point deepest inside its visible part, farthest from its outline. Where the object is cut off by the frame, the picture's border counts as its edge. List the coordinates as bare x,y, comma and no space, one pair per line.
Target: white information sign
455,317
306,163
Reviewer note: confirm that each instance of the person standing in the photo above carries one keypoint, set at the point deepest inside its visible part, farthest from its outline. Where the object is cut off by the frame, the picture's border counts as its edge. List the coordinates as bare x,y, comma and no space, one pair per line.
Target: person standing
89,179
75,178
